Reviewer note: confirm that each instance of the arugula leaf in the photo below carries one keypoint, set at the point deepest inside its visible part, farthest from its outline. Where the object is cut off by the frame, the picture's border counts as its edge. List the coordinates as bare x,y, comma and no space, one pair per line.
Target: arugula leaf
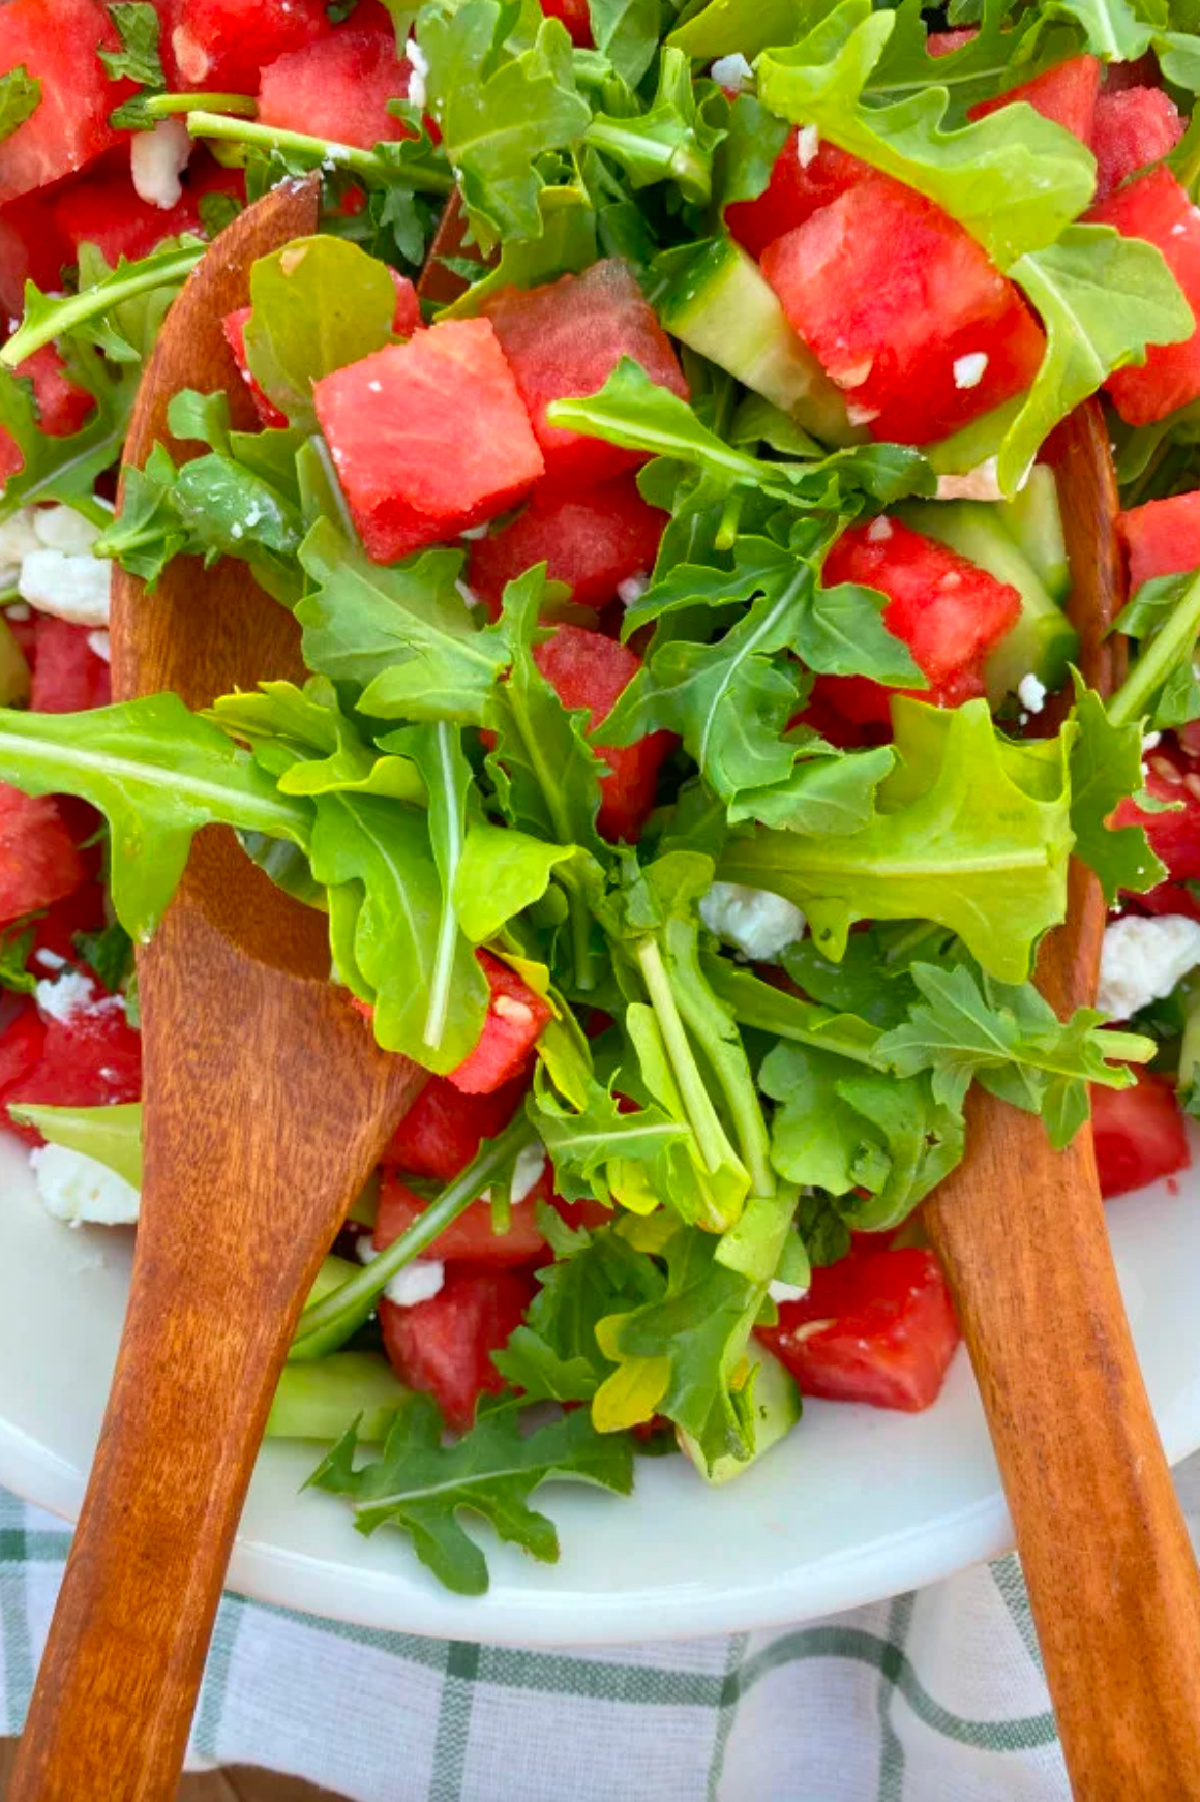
64,469
1013,179
1004,53
1161,689
228,511
111,1135
671,141
594,1147
404,633
420,1485
138,59
309,721
565,245
49,316
158,773
972,832
627,33
1104,300
109,952
16,942
316,305
1106,766
827,792
20,97
498,109
1111,28
500,873
724,26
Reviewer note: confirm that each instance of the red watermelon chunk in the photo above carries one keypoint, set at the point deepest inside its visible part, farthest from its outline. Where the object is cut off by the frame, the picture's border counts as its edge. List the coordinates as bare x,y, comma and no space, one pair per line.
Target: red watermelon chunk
592,542
88,1055
876,1327
38,860
1161,538
899,303
105,209
1174,836
1157,209
338,87
443,1129
83,910
1132,128
31,249
407,316
429,438
950,613
514,1021
68,677
470,1238
443,1346
1138,1133
22,1039
57,41
1066,94
234,327
807,175
589,671
566,339
1166,898
62,408
576,16
222,44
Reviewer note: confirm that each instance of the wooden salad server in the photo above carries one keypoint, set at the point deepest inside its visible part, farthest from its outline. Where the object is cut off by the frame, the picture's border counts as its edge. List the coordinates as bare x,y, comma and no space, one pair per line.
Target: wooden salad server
1112,1578
267,1104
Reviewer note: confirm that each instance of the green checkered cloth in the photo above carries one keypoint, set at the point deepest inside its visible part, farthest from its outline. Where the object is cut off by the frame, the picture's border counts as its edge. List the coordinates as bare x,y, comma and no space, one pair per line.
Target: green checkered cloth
932,1697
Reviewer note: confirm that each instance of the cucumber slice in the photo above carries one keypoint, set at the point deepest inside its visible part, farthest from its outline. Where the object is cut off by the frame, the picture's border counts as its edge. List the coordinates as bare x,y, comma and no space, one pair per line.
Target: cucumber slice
14,671
321,1399
712,296
777,1408
1033,519
1043,641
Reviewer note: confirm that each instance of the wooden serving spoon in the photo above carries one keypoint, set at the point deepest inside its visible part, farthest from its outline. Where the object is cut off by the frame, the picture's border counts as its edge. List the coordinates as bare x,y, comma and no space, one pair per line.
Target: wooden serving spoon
1020,1229
267,1105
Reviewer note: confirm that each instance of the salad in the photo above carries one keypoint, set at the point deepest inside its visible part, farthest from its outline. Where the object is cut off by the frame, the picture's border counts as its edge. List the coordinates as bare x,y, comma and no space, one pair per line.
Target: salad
692,751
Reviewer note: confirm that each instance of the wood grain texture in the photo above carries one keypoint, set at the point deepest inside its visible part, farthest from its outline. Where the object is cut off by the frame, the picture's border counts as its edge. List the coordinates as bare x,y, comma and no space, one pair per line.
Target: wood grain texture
1020,1227
267,1104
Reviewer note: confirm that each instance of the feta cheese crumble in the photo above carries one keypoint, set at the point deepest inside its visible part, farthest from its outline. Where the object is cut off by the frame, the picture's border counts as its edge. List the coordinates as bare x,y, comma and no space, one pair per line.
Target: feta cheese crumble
419,64
527,1172
76,1188
733,72
62,529
66,997
757,923
1142,961
156,161
978,484
969,370
786,1291
418,1281
879,530
100,645
17,539
77,589
631,590
1031,693
808,143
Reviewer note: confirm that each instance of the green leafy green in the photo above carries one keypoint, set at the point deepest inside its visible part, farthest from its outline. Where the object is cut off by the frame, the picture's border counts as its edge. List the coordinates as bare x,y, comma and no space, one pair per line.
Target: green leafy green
1106,766
109,952
724,26
1161,688
627,33
420,1485
137,60
20,97
111,1135
16,942
671,141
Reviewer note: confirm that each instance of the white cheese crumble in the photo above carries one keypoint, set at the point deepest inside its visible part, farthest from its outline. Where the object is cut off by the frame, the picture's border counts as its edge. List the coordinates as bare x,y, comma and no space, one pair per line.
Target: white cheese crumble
100,645
855,374
18,612
978,484
474,533
631,590
1150,740
861,415
733,72
156,161
757,923
969,371
77,589
49,960
76,1188
17,539
62,529
1031,693
67,997
419,64
808,143
466,595
417,1282
786,1291
1142,960
879,530
527,1172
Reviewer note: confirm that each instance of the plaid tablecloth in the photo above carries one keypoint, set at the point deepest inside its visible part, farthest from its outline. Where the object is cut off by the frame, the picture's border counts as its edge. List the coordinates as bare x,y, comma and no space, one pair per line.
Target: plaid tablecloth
932,1697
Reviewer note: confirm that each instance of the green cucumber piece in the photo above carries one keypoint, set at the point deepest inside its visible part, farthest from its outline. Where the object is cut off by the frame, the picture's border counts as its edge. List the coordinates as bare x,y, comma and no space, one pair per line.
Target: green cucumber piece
1043,641
332,1274
14,670
1033,519
713,297
777,1408
320,1400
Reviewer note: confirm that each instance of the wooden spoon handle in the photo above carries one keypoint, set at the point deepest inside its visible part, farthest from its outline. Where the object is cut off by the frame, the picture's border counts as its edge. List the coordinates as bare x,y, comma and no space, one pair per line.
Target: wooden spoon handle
1020,1228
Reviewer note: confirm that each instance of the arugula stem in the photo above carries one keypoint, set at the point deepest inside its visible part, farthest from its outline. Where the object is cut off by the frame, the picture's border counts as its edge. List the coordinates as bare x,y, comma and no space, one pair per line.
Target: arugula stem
164,106
1158,659
323,153
702,1115
328,1323
731,519
441,984
577,907
77,309
677,161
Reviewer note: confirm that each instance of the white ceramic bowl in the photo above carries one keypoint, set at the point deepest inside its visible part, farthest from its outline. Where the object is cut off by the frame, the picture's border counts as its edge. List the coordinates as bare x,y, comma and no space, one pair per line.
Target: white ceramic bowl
857,1505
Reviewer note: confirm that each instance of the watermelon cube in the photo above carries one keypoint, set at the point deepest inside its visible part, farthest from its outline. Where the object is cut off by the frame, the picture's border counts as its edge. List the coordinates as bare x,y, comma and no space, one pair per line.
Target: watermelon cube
234,327
338,87
1133,128
589,671
407,316
576,16
106,210
1161,538
950,613
88,1054
566,339
83,910
443,1129
470,1238
1157,209
57,41
905,312
514,1021
1065,94
1139,1134
223,44
593,542
68,676
31,249
429,438
945,43
807,175
1173,778
22,1039
38,860
443,1346
62,407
